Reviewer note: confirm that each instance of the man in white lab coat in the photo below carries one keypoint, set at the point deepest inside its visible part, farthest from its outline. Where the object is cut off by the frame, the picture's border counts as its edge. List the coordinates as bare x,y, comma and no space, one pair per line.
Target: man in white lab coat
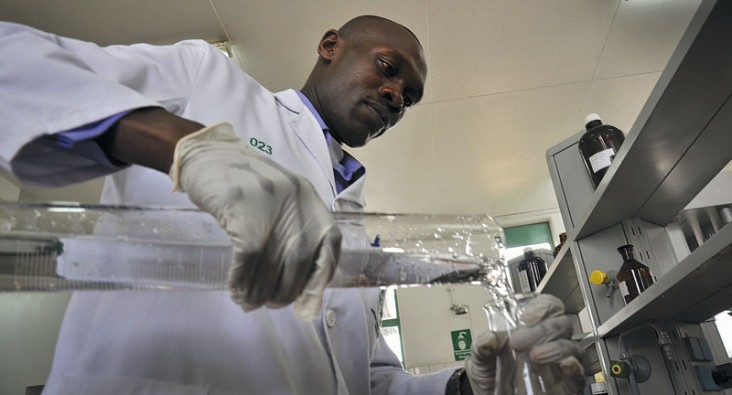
184,117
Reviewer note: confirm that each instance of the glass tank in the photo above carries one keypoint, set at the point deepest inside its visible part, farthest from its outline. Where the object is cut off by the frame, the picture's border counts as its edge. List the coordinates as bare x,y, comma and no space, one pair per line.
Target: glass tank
55,247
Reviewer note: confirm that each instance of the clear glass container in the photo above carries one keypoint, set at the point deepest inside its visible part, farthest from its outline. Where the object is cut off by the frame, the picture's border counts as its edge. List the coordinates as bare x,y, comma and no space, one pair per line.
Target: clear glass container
527,378
47,247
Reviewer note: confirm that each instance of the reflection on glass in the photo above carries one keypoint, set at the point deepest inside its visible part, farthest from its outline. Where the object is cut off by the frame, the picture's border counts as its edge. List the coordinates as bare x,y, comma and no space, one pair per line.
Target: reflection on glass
389,311
724,325
393,340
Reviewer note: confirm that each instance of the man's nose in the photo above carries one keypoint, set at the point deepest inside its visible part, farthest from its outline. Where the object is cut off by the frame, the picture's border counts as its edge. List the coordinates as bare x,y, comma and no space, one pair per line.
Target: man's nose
393,94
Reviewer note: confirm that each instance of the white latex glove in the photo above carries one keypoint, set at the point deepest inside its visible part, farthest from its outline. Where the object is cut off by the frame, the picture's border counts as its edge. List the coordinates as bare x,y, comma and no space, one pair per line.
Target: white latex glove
491,366
285,241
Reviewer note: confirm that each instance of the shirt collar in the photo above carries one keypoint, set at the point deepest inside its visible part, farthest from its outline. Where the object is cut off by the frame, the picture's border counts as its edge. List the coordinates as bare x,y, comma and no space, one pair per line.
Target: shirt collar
312,109
346,168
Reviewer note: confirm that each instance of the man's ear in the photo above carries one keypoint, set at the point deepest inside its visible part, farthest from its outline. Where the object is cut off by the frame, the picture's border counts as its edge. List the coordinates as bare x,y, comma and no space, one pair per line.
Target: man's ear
327,46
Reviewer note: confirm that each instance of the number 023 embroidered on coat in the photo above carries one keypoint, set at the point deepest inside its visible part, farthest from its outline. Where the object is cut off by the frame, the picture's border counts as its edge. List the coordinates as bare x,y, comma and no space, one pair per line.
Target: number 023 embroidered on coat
260,145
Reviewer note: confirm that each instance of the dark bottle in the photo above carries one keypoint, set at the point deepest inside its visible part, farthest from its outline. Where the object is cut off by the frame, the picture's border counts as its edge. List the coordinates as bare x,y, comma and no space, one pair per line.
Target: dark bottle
531,270
562,239
633,276
598,146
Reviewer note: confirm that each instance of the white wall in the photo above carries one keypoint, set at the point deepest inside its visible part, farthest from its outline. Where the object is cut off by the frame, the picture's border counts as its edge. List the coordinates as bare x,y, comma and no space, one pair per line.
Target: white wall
29,325
426,322
85,192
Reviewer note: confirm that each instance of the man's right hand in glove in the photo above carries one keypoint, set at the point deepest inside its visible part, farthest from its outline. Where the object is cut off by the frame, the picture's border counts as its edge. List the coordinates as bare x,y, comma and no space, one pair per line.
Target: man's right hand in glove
286,243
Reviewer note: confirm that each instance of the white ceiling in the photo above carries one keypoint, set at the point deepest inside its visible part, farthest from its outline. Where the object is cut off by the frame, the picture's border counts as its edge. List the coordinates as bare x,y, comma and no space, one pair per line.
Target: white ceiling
507,80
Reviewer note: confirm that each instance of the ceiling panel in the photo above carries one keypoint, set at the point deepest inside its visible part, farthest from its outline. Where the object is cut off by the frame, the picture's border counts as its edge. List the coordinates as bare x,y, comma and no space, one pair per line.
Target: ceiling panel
476,155
491,149
118,22
644,34
619,100
481,47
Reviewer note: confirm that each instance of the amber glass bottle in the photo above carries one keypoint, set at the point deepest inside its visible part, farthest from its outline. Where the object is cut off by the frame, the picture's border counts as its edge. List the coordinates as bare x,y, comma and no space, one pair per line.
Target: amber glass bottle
562,239
598,146
531,270
633,276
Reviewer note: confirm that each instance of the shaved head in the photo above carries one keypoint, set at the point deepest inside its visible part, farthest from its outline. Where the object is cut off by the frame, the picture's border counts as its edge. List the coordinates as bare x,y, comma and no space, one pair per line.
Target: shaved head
369,24
368,73
366,28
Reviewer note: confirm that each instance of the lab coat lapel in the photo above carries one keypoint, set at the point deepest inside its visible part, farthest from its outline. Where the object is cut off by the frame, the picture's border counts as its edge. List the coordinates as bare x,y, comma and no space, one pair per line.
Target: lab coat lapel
351,199
308,131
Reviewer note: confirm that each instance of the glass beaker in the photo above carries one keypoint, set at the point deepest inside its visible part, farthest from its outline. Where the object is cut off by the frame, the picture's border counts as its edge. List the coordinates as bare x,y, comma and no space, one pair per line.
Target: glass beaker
526,377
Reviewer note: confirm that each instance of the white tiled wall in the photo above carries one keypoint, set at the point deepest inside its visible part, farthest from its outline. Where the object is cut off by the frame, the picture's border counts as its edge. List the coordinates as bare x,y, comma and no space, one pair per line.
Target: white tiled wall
437,367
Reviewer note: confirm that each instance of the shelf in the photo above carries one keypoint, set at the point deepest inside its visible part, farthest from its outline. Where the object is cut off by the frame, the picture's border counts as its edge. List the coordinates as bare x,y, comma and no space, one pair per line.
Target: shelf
696,289
592,359
681,138
586,339
561,281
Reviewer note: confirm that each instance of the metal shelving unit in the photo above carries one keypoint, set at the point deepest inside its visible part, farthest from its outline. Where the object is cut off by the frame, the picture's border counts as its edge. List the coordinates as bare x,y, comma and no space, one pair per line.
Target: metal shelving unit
561,281
699,287
681,140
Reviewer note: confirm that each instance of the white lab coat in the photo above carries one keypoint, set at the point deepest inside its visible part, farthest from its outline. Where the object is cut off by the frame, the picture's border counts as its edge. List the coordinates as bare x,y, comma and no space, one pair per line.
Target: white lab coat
187,342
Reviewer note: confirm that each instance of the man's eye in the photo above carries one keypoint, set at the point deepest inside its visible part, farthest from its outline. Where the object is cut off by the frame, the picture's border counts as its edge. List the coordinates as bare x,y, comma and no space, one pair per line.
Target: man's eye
388,68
